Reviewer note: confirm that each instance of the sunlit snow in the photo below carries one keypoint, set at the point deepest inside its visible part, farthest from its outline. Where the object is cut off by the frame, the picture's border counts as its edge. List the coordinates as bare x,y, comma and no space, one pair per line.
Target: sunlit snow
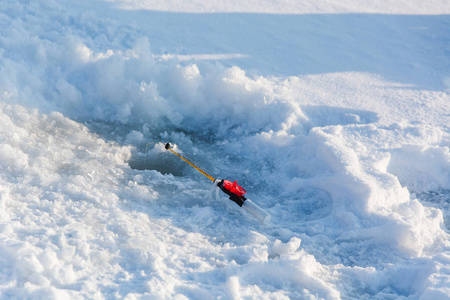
334,116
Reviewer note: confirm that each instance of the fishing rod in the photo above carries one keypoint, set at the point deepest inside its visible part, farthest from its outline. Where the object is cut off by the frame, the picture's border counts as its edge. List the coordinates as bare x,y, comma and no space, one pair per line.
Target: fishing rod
233,190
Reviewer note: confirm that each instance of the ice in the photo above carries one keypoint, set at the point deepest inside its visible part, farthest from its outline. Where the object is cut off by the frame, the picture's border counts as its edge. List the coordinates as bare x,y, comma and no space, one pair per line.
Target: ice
333,116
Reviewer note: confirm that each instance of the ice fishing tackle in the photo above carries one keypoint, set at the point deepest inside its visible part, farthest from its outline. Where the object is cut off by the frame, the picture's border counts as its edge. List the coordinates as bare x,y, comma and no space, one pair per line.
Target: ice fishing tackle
233,190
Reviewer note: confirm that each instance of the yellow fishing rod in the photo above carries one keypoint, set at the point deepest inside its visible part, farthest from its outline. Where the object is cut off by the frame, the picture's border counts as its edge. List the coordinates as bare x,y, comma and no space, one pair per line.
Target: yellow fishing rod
233,190
186,160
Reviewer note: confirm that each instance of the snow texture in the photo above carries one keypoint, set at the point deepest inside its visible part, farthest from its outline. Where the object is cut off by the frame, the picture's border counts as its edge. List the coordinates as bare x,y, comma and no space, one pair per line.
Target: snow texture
334,116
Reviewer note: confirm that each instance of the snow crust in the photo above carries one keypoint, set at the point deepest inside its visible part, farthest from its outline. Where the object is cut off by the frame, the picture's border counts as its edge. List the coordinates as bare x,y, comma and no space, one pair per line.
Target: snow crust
346,144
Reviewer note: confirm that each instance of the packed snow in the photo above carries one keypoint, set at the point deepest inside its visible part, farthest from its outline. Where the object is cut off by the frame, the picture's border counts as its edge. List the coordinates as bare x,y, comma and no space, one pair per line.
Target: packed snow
333,115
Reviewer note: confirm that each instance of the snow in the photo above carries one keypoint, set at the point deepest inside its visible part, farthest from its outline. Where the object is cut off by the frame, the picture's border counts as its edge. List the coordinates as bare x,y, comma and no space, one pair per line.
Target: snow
332,115
290,6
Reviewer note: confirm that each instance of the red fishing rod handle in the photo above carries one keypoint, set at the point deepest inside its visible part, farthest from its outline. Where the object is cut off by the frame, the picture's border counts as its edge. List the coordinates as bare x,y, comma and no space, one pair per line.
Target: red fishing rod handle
234,188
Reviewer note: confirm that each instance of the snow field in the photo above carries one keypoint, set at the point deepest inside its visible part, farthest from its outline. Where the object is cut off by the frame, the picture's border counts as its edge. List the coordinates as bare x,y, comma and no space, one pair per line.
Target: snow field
63,225
352,166
290,6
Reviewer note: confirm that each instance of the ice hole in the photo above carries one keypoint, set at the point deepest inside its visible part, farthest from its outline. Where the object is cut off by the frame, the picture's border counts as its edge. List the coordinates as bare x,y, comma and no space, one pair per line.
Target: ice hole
161,162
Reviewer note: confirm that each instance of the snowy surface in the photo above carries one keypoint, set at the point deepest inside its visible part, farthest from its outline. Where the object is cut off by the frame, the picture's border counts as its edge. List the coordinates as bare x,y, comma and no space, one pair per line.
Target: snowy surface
292,6
333,115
